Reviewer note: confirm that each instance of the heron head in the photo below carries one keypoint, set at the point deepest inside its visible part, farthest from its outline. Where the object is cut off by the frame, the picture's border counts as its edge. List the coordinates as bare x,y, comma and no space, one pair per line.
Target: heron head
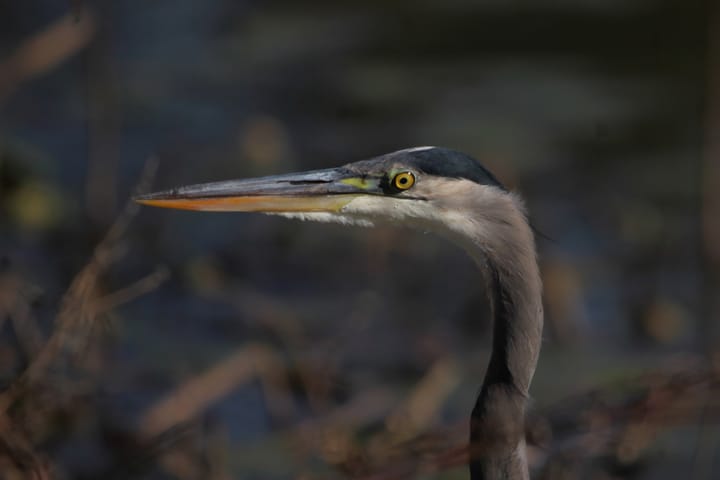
422,187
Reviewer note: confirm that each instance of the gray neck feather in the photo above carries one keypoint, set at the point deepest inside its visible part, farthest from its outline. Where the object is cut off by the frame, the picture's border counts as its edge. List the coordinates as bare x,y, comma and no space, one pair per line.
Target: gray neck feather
496,234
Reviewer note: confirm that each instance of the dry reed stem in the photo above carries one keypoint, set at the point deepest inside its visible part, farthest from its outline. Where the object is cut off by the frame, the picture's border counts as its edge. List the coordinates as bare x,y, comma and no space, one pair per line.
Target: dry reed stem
426,399
125,295
15,305
195,395
73,327
46,50
283,321
75,319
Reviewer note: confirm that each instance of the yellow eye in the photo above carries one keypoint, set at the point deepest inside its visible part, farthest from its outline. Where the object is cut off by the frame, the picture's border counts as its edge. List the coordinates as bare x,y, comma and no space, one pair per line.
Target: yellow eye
403,181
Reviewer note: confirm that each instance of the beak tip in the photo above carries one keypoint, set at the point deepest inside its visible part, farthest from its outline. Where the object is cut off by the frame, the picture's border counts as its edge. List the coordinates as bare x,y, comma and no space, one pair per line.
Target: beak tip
152,200
142,199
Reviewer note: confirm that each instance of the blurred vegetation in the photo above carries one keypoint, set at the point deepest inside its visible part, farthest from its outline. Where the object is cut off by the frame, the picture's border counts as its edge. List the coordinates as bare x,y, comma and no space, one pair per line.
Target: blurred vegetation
173,345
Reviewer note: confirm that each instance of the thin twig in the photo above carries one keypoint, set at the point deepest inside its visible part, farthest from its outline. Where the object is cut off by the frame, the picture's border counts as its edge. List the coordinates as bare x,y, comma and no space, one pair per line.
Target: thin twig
75,318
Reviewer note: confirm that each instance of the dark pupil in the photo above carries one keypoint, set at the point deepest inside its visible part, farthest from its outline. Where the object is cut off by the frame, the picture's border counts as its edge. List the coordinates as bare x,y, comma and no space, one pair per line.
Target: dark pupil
403,181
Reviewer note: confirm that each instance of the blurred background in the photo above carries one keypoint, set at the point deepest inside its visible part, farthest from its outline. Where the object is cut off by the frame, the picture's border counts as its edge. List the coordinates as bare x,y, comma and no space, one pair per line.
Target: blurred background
173,345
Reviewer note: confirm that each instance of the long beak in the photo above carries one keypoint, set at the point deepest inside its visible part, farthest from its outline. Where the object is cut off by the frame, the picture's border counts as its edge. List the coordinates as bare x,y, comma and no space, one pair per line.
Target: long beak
316,191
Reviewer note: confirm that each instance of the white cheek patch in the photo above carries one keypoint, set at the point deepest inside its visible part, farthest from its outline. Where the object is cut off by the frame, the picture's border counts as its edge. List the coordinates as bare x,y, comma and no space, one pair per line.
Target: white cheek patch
367,205
325,217
419,214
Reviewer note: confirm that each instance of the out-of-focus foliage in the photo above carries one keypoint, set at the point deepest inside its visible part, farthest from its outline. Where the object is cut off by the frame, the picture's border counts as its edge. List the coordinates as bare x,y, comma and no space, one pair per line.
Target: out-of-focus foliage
161,344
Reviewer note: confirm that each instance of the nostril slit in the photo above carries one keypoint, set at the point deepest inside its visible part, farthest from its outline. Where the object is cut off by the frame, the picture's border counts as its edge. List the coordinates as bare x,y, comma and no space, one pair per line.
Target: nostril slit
307,182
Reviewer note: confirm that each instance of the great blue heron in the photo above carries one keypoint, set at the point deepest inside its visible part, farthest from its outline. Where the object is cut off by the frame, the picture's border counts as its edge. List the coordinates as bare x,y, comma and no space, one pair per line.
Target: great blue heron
444,191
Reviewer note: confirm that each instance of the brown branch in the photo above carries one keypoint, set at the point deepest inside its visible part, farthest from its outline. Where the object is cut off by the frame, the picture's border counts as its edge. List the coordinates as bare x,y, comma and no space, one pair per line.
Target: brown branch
75,319
196,394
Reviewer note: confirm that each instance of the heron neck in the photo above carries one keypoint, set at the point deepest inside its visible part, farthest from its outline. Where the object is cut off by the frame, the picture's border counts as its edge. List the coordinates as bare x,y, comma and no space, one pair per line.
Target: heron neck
515,297
497,428
508,260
